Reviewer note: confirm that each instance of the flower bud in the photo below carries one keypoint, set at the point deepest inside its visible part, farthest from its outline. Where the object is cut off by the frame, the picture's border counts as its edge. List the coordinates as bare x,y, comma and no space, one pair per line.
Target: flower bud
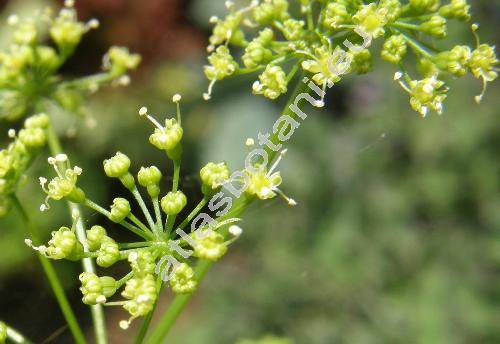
168,137
95,237
25,33
256,53
119,60
371,20
47,58
362,62
293,29
64,245
210,247
335,14
41,121
454,61
213,176
33,138
424,5
96,289
108,253
150,177
270,11
173,202
119,210
483,62
221,65
141,294
457,9
117,166
142,262
66,31
183,280
436,26
272,82
394,49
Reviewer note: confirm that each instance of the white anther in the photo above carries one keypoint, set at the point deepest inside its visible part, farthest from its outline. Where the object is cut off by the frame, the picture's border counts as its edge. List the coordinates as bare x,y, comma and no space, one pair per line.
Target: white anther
235,230
93,23
61,157
11,133
69,3
143,111
250,142
229,4
176,98
78,170
28,242
292,202
213,20
124,324
398,75
52,160
43,207
42,181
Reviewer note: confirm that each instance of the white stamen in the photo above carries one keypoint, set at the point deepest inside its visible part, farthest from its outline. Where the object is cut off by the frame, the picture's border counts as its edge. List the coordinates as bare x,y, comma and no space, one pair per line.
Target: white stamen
213,20
11,133
276,163
78,170
93,23
398,75
250,142
143,111
52,160
124,324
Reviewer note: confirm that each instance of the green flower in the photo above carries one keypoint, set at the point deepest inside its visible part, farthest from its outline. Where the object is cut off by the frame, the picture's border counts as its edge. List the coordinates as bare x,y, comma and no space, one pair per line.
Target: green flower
173,202
335,14
427,94
256,53
33,138
271,10
119,210
167,137
117,166
371,20
142,262
436,26
63,245
456,9
150,177
228,30
221,65
183,280
95,237
119,60
141,294
210,245
394,49
362,62
272,82
264,185
424,5
322,65
64,185
213,176
483,62
96,289
454,61
108,254
293,29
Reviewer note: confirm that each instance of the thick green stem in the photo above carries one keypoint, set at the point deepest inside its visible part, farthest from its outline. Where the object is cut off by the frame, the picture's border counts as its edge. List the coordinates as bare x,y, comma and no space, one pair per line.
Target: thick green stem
51,275
176,307
15,336
88,265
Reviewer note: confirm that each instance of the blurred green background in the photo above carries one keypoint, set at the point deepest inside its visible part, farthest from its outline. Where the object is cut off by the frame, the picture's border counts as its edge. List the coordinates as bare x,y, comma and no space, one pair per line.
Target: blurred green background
396,238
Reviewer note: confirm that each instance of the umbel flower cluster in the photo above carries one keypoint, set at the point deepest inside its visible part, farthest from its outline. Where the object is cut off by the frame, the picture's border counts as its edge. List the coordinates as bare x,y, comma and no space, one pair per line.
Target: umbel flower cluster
163,247
18,156
28,67
279,37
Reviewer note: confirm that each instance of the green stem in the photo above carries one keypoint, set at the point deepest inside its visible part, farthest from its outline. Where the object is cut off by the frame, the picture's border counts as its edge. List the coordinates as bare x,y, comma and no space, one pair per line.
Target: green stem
96,207
408,26
51,275
159,221
194,212
15,336
144,208
176,307
88,265
180,301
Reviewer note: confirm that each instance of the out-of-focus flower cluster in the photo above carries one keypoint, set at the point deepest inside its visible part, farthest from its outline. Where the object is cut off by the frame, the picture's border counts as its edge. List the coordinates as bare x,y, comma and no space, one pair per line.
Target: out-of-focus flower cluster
28,67
18,156
161,236
311,34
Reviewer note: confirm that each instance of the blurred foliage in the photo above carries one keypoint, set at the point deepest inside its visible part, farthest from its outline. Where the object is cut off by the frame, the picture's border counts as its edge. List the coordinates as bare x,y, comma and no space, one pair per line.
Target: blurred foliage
396,238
